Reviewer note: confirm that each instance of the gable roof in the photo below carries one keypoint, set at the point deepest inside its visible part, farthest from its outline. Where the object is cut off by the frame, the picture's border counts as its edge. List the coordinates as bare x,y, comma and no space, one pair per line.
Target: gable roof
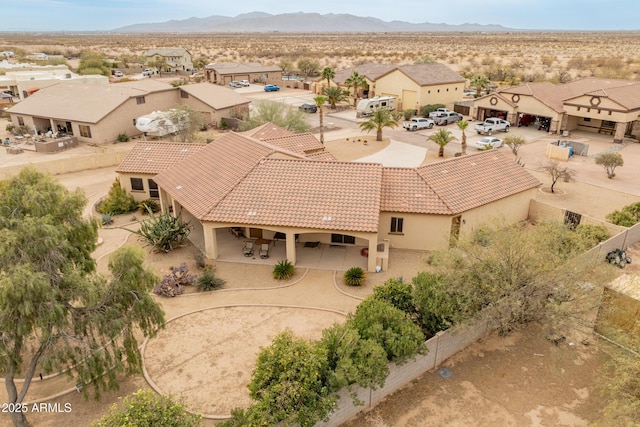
83,103
217,97
172,51
152,157
454,186
431,74
305,193
370,70
235,68
628,95
302,143
268,131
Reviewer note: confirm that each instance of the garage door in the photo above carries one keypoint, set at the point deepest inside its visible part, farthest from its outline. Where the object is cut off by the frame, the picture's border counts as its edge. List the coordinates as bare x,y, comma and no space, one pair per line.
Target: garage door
409,99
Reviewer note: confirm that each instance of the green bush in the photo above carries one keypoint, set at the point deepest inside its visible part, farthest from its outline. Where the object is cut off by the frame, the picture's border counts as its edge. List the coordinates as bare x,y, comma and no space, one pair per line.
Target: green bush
407,114
283,270
123,137
118,201
593,233
628,216
397,293
164,231
208,281
354,276
149,205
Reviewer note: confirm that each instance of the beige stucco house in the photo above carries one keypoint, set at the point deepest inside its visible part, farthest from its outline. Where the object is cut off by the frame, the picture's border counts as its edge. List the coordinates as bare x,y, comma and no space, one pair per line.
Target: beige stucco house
605,106
99,113
241,182
223,73
171,59
411,85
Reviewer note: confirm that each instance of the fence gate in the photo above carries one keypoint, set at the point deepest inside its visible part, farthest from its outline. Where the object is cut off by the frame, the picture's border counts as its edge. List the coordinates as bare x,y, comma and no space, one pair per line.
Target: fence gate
572,219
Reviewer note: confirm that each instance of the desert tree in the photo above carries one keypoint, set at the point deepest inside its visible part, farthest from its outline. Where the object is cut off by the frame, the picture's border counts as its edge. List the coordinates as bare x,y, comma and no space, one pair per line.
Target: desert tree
279,114
286,65
355,80
56,313
610,161
379,119
334,95
92,63
320,101
514,142
442,137
188,122
328,74
308,66
557,171
463,125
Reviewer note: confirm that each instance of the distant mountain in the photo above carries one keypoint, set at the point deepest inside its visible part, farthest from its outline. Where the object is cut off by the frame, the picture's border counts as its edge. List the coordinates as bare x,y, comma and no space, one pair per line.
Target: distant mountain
260,22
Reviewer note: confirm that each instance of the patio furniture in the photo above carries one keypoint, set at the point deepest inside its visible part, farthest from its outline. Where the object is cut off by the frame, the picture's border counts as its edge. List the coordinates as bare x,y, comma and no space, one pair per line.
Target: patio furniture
264,250
247,249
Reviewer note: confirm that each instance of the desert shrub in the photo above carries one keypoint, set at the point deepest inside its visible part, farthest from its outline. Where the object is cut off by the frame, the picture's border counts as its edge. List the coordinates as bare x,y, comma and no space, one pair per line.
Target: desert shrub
436,307
122,137
145,408
173,284
118,201
164,231
208,281
593,233
283,270
610,161
107,219
407,114
627,216
354,276
397,293
149,205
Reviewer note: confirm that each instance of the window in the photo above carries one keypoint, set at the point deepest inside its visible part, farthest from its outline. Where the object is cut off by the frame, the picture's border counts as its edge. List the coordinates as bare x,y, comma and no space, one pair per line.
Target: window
20,121
396,224
342,238
608,124
140,100
184,94
137,184
153,190
572,219
85,131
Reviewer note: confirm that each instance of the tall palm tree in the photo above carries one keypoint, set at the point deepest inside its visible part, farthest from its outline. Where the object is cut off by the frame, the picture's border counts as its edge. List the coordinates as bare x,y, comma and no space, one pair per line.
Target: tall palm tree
462,125
320,100
356,80
442,138
334,95
480,83
380,119
328,74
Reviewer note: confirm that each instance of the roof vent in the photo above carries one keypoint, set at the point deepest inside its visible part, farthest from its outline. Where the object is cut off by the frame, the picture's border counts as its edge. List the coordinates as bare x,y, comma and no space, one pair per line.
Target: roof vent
327,218
178,187
252,213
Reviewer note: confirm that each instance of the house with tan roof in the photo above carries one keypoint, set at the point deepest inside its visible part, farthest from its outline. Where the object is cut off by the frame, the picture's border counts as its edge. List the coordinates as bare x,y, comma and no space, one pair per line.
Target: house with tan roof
412,85
271,193
99,113
170,59
605,106
223,73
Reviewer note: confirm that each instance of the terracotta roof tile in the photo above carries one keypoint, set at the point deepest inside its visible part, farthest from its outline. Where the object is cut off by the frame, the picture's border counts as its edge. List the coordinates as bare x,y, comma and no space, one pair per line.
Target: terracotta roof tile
153,157
217,97
322,155
305,193
404,190
430,74
268,131
303,143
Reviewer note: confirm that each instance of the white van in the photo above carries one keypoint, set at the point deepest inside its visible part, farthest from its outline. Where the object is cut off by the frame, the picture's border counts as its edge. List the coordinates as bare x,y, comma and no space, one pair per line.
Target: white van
366,106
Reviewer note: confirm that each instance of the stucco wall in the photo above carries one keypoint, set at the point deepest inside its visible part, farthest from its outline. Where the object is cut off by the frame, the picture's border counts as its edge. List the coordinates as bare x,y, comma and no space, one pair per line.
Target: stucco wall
399,84
125,182
419,232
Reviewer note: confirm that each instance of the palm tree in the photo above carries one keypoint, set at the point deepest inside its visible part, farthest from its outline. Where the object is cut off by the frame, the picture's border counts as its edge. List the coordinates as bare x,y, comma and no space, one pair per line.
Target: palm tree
462,125
328,74
379,119
442,138
334,95
480,83
356,80
320,100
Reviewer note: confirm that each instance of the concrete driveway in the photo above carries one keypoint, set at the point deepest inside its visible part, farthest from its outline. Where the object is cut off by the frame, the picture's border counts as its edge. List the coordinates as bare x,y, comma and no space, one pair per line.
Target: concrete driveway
397,154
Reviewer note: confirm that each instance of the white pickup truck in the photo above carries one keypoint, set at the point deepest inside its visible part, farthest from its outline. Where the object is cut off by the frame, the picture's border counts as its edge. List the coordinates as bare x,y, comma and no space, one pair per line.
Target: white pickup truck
418,123
438,112
491,125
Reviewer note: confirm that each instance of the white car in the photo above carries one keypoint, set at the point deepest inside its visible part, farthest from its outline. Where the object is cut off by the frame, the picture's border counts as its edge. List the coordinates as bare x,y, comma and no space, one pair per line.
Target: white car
118,74
488,142
244,83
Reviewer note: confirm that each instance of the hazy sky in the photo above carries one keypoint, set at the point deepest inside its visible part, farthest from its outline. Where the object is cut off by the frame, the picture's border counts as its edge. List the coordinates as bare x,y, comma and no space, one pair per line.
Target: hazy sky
102,15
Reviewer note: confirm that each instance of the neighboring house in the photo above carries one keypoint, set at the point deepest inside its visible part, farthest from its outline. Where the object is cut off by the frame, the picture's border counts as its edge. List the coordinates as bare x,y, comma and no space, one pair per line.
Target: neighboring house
273,190
223,73
605,106
99,114
170,59
147,159
22,81
411,85
301,143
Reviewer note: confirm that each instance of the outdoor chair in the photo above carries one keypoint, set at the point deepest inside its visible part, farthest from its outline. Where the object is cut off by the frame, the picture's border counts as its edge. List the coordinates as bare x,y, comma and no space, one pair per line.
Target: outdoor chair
264,250
247,249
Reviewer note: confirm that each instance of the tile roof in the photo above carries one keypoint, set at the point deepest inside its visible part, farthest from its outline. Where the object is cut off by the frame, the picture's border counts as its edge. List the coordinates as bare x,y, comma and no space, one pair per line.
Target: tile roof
235,68
217,97
152,157
304,193
404,190
200,182
322,155
172,51
370,70
628,95
430,74
474,180
268,131
83,103
302,143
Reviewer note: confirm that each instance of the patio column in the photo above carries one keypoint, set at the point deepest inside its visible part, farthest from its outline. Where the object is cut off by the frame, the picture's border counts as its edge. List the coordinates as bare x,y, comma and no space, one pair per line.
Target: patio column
290,243
621,128
210,241
373,251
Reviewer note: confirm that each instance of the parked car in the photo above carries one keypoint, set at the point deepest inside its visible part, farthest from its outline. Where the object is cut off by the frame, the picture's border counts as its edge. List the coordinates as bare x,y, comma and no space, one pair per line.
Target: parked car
244,83
308,108
439,112
147,72
235,84
445,118
488,142
418,123
271,88
118,74
491,125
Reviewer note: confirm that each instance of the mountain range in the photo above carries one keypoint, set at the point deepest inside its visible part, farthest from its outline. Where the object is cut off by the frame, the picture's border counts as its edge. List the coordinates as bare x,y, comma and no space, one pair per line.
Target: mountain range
260,22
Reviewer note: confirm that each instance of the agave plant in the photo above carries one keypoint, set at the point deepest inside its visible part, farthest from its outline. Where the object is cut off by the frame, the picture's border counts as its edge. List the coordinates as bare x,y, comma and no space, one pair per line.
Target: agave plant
354,276
283,270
